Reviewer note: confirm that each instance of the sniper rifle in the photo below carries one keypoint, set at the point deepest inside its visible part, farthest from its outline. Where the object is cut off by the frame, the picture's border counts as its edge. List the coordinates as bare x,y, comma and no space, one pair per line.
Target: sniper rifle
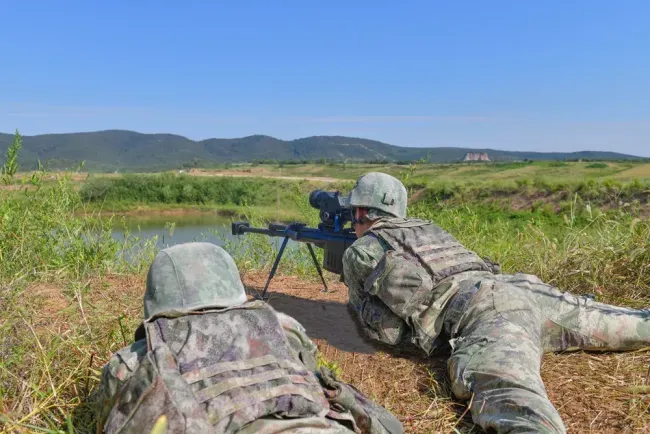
331,234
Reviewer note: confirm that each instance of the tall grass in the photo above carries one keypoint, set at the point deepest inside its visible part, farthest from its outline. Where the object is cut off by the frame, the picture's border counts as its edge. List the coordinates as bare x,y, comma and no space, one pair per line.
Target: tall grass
233,193
607,255
598,191
170,188
271,198
582,251
71,296
52,338
43,237
258,252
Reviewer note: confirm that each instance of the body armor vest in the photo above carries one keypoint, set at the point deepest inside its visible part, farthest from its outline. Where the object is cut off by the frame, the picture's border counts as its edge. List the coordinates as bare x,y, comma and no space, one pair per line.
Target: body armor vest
408,277
436,249
217,371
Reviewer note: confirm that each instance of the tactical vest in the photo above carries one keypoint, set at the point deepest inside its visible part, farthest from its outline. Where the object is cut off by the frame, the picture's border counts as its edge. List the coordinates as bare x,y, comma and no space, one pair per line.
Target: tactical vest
216,371
408,277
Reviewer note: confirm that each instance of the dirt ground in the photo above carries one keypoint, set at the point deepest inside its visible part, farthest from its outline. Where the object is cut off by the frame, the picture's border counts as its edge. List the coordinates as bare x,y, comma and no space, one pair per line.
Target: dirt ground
605,393
594,393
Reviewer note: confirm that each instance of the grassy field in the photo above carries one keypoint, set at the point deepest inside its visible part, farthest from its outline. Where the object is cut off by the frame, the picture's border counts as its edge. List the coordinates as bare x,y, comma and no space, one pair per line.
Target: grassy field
552,171
68,304
521,188
459,172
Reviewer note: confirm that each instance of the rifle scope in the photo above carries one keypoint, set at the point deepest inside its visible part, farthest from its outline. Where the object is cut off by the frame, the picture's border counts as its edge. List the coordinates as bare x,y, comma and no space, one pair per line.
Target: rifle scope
333,211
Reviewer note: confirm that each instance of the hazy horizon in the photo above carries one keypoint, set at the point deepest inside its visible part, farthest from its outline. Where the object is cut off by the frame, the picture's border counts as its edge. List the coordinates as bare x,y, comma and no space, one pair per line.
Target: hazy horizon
301,137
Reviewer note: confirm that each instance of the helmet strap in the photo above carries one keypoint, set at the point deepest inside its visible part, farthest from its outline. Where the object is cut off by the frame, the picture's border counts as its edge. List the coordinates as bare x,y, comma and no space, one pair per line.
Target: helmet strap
362,220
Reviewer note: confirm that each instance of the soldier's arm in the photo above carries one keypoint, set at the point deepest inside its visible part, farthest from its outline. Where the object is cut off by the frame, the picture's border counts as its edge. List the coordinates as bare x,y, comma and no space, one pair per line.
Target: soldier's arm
303,347
377,319
358,262
116,372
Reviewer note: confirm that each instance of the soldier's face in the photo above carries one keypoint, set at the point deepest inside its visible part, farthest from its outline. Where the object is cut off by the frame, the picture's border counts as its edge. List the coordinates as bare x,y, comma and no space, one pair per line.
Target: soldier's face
360,228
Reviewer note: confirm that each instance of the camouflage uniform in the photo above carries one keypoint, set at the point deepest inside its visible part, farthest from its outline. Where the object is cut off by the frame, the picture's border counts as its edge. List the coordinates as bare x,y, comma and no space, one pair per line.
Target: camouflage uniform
210,361
413,283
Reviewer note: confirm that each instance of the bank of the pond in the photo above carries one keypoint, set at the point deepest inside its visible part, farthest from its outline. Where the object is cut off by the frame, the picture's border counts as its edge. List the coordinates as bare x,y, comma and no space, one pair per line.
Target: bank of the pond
133,209
152,232
172,189
287,199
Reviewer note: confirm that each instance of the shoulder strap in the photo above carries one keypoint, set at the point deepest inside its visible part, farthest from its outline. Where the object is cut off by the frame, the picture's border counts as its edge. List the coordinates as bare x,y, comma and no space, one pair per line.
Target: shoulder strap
155,393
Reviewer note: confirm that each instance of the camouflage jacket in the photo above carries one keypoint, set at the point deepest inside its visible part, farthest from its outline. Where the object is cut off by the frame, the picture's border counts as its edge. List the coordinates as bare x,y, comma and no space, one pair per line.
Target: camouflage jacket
231,338
400,276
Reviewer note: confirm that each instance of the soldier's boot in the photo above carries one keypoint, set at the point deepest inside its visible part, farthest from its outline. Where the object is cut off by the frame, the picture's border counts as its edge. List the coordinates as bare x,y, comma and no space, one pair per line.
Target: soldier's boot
574,322
495,361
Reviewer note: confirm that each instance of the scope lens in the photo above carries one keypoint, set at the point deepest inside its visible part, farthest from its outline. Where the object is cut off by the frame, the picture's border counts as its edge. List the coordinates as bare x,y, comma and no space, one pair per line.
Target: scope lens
314,198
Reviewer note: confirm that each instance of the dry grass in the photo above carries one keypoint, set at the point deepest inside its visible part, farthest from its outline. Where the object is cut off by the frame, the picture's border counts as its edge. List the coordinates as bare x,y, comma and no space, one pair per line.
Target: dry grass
58,331
638,172
64,334
54,339
604,393
260,174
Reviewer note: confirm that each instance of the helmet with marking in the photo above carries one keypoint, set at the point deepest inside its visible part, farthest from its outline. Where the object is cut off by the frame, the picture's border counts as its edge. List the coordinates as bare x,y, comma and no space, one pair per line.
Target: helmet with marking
379,191
189,277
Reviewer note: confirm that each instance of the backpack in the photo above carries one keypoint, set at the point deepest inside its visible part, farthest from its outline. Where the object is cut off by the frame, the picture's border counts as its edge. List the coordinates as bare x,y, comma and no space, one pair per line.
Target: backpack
216,371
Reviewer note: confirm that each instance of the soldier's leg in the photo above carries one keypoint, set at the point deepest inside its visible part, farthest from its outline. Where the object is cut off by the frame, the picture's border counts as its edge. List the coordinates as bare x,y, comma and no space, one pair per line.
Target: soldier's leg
495,362
580,323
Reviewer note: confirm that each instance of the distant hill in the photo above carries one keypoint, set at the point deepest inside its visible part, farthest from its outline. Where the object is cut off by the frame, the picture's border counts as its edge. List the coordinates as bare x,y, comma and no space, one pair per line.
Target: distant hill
127,150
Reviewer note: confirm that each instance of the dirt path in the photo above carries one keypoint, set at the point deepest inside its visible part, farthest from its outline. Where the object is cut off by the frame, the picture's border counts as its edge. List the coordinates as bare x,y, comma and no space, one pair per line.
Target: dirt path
323,315
235,174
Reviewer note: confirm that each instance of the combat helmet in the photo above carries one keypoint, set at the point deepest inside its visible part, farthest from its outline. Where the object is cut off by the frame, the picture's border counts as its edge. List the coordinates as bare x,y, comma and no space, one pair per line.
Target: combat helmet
379,191
191,276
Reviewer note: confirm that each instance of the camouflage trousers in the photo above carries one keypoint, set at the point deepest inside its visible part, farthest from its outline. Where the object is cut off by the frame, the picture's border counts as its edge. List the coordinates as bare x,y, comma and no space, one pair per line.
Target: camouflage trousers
500,325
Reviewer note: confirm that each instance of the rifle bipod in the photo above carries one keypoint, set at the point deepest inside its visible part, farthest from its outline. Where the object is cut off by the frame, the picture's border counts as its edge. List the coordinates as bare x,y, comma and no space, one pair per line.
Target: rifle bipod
277,261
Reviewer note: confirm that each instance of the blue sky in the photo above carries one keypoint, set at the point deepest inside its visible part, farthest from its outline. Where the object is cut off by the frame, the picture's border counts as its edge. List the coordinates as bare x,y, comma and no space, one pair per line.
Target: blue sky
516,75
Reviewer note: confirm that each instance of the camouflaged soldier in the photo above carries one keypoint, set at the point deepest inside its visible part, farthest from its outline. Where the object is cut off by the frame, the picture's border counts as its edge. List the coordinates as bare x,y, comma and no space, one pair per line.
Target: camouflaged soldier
207,360
411,282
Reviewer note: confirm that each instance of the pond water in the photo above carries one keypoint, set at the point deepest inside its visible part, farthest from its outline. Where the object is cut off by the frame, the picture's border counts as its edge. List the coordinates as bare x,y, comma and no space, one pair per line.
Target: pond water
186,228
328,320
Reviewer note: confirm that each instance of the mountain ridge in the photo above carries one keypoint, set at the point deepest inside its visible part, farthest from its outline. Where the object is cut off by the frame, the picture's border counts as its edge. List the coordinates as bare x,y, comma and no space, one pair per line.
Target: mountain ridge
126,149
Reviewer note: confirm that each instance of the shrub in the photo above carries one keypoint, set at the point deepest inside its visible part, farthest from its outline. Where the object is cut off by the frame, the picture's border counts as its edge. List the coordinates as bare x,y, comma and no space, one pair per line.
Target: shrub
597,166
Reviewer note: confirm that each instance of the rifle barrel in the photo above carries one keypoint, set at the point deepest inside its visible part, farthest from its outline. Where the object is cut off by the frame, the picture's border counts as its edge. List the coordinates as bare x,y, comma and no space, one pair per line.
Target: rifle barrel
297,232
333,242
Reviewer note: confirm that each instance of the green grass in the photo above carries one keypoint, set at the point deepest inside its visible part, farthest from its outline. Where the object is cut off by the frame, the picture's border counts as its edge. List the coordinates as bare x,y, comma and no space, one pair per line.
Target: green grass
44,237
552,171
582,252
285,212
272,198
533,195
607,254
524,189
46,366
69,304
